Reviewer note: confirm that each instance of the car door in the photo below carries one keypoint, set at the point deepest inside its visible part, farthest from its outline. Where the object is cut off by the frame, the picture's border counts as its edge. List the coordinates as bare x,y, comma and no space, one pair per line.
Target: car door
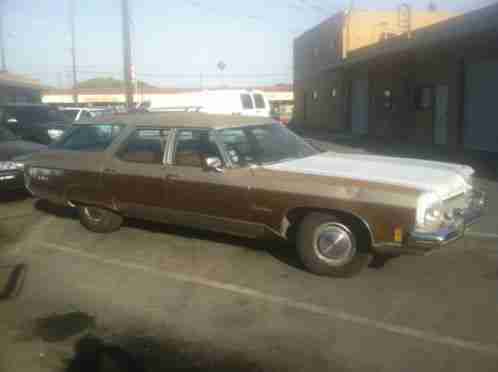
216,200
135,176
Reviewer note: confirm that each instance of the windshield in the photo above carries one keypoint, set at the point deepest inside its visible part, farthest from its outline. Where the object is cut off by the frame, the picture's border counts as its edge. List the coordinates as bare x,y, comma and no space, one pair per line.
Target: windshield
6,134
263,144
88,137
70,114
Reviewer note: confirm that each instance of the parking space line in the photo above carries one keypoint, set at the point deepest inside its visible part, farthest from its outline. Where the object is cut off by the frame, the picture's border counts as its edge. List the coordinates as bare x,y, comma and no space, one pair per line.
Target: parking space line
489,349
481,235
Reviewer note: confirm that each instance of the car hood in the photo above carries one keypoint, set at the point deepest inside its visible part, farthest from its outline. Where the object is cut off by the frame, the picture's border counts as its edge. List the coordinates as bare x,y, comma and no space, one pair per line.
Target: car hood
445,179
12,149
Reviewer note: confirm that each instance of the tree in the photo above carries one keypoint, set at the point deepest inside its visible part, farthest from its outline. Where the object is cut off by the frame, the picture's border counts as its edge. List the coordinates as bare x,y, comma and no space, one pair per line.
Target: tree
108,82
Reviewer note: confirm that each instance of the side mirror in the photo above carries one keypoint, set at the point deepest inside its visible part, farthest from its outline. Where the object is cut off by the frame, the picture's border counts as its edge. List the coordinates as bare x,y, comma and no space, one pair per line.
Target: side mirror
213,163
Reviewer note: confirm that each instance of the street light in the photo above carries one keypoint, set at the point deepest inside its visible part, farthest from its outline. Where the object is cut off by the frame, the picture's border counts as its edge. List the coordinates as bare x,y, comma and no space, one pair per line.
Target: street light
221,66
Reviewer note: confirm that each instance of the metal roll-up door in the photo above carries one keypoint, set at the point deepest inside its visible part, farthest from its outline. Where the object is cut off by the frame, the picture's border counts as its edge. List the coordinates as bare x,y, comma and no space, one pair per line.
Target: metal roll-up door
480,131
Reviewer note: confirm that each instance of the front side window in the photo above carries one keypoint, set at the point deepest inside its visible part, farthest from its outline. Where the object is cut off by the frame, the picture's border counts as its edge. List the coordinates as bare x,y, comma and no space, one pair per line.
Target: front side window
145,146
246,101
86,115
88,137
263,144
259,101
194,145
70,115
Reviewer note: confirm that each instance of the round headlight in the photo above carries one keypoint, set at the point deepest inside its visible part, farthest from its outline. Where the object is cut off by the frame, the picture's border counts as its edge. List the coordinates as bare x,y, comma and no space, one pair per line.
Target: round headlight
429,209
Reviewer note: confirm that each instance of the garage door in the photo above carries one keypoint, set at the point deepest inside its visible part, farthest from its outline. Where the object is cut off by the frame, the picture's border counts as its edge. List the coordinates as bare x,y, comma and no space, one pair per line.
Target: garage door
359,109
481,108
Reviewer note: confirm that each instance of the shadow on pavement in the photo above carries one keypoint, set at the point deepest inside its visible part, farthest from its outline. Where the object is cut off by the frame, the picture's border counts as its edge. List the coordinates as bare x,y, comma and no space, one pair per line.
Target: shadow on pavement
278,248
13,196
144,354
14,276
56,210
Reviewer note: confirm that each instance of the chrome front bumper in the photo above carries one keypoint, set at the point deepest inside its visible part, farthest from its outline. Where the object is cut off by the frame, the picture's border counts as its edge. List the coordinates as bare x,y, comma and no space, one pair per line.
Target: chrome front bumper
422,241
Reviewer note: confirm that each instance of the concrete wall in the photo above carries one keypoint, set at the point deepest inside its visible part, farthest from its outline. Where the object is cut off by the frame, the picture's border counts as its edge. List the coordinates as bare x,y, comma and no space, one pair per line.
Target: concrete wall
326,98
366,27
327,44
403,77
319,47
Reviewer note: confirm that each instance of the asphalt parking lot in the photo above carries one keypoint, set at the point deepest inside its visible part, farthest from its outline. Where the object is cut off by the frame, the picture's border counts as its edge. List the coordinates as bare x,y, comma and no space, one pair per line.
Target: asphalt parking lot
181,299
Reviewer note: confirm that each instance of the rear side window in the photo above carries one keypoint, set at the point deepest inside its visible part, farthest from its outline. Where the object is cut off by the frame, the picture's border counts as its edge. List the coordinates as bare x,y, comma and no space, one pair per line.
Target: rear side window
259,101
145,146
246,101
89,137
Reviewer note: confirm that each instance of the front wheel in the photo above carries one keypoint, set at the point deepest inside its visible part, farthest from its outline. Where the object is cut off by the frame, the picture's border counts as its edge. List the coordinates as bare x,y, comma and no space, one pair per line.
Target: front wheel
327,246
99,220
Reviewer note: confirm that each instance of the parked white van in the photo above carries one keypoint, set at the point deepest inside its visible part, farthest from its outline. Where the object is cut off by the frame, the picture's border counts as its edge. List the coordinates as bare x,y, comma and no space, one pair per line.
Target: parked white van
235,102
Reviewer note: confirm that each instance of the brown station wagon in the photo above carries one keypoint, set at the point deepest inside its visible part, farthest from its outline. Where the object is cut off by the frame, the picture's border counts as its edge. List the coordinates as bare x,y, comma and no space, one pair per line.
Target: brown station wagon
250,176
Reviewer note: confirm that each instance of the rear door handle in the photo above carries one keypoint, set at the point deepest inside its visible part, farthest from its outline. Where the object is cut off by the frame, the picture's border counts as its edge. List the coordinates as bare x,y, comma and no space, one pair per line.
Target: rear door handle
173,177
110,171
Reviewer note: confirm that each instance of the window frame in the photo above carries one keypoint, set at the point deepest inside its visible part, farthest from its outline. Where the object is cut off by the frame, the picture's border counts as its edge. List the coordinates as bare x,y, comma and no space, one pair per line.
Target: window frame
128,139
260,95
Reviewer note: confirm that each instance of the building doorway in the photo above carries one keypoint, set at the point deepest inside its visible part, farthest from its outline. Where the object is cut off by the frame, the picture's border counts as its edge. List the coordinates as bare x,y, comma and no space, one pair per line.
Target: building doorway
359,107
441,115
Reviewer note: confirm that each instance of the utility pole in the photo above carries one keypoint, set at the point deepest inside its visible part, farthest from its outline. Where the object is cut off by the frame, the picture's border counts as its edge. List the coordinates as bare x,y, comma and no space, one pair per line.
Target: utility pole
127,54
2,40
73,50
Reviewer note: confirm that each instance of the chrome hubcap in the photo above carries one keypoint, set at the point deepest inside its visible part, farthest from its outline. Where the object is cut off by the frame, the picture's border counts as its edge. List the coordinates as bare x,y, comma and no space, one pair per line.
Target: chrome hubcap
334,244
93,214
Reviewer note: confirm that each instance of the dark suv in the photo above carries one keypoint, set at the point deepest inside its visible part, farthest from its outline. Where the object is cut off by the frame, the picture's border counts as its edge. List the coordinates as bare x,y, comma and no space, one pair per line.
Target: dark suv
39,123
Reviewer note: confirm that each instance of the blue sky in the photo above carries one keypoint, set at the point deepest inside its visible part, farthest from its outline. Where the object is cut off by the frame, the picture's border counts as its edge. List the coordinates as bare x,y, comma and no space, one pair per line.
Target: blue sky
174,41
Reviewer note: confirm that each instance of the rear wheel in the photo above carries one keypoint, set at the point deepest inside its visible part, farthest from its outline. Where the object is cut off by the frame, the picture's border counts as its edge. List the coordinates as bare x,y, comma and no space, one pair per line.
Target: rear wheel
327,246
99,220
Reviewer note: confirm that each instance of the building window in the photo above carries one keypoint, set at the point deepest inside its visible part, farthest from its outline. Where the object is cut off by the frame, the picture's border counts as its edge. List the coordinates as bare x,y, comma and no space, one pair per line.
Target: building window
315,95
387,97
315,52
424,98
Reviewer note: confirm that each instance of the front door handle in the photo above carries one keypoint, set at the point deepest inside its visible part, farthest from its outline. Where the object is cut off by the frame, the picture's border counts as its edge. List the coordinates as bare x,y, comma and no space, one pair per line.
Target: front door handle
110,171
173,177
